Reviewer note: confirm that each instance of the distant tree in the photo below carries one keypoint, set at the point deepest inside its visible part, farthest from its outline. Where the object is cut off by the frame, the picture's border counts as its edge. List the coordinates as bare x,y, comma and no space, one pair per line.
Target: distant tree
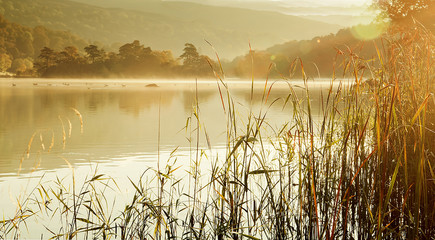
165,58
40,38
94,54
70,54
190,55
113,58
46,59
47,56
13,51
57,42
5,62
18,65
256,62
195,64
21,65
402,11
207,65
133,51
24,43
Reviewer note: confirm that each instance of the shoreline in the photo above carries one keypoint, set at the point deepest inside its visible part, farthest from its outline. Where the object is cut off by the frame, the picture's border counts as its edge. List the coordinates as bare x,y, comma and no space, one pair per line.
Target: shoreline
166,80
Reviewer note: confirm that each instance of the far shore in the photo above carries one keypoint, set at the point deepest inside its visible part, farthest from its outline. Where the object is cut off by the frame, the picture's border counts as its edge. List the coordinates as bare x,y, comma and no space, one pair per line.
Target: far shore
7,75
129,83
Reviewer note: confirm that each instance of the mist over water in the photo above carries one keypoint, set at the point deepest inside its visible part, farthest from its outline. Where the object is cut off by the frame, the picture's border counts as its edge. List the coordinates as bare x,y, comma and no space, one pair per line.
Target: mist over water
121,121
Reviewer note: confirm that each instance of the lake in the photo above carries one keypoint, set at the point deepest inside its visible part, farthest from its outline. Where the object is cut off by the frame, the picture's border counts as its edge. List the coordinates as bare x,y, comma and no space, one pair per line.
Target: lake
122,127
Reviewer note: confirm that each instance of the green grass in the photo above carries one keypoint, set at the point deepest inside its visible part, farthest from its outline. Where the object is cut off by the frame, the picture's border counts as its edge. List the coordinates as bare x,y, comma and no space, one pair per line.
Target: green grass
365,171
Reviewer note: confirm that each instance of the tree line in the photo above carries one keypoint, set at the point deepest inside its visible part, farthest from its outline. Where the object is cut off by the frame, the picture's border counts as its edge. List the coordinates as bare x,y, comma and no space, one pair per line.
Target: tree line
132,60
20,52
20,45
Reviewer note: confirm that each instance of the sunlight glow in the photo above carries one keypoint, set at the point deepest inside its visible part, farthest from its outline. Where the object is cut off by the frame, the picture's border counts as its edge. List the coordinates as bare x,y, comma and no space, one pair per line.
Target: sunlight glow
369,32
316,3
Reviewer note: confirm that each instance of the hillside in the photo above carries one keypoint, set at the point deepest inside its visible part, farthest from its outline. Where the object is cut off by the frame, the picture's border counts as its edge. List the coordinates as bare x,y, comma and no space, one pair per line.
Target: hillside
166,25
345,15
318,54
20,45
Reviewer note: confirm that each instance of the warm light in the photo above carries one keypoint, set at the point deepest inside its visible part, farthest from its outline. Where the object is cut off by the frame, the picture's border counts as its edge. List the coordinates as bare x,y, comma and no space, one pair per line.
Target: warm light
369,32
305,47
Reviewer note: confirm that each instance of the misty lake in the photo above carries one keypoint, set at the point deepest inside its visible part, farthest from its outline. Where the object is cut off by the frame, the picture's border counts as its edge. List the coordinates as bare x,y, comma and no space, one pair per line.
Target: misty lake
128,125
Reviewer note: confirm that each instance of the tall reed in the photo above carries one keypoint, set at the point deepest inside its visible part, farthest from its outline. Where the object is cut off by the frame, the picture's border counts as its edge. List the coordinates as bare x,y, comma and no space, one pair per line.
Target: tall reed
362,168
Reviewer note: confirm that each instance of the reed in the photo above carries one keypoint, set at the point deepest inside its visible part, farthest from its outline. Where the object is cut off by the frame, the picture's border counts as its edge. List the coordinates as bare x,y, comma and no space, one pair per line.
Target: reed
364,169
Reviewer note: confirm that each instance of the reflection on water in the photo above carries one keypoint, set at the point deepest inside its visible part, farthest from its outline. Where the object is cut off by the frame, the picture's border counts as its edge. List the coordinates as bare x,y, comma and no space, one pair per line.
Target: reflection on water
119,120
121,123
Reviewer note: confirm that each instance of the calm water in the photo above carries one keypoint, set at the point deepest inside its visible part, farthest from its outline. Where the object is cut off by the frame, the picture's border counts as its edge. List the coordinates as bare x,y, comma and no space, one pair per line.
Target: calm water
120,125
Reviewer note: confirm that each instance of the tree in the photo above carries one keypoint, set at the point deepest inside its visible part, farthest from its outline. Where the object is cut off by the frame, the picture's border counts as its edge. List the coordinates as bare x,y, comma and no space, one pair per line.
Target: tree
403,11
24,43
165,57
46,59
70,54
133,51
21,65
190,55
40,38
5,62
47,56
256,62
94,54
195,64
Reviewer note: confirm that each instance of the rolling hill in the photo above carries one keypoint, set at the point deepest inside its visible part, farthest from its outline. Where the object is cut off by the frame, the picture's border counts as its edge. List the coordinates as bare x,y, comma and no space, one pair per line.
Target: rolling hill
165,25
345,15
20,45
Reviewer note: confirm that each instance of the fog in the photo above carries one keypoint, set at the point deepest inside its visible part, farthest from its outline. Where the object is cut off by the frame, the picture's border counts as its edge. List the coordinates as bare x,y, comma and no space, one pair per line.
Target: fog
168,25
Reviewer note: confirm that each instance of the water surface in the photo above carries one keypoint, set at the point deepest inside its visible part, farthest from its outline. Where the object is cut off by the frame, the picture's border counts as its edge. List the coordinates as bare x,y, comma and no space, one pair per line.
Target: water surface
127,125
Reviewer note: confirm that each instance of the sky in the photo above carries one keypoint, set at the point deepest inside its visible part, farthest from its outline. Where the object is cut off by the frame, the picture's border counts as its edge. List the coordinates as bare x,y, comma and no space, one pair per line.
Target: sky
312,3
322,2
297,7
331,2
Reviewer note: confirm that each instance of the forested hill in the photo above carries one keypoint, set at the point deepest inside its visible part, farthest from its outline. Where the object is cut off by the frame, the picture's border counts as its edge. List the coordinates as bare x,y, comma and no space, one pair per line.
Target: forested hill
317,55
20,45
167,25
320,53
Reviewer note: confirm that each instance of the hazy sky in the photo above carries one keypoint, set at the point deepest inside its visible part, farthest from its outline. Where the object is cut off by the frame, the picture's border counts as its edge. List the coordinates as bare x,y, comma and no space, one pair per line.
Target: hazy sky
297,7
322,2
312,3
